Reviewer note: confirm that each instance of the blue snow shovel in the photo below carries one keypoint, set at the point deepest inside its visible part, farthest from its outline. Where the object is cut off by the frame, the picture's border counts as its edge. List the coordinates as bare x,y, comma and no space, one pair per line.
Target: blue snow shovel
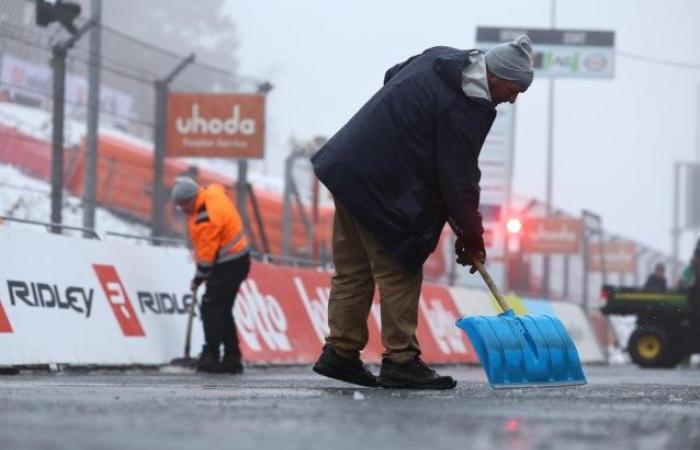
522,351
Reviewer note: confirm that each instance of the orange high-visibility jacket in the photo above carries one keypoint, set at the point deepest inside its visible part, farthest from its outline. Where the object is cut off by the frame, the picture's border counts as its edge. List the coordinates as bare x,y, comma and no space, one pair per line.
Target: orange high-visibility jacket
216,230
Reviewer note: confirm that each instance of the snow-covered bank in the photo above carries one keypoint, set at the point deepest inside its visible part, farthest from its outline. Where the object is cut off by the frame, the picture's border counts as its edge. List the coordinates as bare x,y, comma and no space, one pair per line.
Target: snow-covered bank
24,197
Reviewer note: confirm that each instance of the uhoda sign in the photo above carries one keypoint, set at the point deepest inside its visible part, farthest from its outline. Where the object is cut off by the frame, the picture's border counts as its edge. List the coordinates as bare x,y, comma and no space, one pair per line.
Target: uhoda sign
551,235
216,125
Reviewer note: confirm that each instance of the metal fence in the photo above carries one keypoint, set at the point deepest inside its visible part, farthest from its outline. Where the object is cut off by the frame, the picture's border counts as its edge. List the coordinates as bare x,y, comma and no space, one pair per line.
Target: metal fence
570,277
129,71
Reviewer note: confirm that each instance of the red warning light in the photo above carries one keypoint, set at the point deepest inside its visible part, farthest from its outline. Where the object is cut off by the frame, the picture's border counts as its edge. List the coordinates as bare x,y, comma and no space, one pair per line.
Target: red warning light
514,226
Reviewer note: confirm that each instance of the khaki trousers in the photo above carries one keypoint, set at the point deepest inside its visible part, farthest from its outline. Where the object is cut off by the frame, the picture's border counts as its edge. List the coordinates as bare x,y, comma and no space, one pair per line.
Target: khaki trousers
360,262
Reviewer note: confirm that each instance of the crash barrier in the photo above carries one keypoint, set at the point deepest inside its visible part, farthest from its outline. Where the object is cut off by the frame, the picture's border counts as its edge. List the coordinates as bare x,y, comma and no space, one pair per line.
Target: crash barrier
125,183
67,300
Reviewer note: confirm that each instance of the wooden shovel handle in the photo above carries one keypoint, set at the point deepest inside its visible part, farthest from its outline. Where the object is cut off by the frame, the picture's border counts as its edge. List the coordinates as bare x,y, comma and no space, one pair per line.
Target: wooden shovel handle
190,316
492,286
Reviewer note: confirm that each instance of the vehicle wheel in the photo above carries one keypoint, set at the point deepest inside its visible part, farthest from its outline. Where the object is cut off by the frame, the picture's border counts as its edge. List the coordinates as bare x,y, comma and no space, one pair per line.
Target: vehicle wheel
651,347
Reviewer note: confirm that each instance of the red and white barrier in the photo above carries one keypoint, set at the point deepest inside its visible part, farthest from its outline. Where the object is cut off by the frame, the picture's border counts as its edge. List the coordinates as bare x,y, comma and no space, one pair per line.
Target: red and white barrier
68,300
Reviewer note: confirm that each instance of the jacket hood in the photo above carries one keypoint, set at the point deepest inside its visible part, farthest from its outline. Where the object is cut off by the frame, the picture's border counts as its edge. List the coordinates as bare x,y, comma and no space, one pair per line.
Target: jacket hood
450,67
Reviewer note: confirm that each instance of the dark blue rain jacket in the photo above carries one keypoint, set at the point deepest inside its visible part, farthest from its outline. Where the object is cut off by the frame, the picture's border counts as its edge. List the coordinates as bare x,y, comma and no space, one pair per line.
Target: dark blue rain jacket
408,159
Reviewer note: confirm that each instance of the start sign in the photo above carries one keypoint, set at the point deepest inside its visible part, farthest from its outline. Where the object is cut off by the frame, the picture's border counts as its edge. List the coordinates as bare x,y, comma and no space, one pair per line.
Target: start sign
215,125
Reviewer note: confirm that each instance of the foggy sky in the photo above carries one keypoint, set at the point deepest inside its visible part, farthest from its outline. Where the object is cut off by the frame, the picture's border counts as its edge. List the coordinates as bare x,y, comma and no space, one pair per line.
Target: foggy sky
615,140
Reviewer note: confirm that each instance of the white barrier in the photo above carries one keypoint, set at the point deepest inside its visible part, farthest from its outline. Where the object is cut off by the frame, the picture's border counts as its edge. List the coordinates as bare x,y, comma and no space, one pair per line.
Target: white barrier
68,300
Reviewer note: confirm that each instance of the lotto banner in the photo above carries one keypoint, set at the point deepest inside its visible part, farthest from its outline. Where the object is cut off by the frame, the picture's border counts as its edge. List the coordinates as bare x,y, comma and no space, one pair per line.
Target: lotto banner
68,300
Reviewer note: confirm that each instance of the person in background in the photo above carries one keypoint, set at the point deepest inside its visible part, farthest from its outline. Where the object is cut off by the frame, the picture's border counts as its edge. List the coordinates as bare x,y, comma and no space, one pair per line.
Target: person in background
690,273
223,262
656,281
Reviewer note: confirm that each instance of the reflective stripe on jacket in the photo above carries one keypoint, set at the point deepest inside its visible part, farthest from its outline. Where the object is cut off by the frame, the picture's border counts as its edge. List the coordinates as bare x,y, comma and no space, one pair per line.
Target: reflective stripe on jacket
215,229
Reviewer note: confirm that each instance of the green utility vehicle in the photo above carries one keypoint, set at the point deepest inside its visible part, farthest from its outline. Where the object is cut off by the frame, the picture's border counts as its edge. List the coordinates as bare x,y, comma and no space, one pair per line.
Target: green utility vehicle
668,324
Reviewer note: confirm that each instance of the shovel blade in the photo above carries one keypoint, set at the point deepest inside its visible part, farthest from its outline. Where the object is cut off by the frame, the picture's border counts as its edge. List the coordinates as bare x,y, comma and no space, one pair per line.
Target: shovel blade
524,351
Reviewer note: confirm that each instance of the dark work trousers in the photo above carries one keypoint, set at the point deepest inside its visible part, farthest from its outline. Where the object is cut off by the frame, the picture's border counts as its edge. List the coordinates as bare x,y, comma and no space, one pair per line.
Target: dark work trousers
217,305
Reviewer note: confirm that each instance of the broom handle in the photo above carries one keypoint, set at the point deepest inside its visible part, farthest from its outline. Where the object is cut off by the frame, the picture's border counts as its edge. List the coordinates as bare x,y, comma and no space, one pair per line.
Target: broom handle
492,286
188,334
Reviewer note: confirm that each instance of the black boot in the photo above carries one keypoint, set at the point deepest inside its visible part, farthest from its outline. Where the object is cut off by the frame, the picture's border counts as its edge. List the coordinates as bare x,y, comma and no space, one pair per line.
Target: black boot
330,364
414,374
232,364
209,361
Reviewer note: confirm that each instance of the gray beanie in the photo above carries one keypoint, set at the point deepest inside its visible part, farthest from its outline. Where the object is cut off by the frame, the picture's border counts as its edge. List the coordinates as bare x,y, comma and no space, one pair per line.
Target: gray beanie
184,188
512,61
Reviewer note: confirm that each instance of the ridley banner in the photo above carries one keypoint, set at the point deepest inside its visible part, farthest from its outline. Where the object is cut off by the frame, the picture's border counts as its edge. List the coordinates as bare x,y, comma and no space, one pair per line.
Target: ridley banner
66,300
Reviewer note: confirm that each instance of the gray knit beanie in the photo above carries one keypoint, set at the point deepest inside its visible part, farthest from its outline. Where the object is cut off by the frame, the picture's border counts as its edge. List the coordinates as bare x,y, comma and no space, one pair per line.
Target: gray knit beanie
184,188
512,61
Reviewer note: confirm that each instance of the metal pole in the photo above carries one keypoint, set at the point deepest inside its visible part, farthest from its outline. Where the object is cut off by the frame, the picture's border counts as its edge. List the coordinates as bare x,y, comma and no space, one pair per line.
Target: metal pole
315,188
508,201
287,213
58,63
89,194
641,251
567,269
550,157
697,128
161,111
584,290
158,206
675,231
242,181
242,194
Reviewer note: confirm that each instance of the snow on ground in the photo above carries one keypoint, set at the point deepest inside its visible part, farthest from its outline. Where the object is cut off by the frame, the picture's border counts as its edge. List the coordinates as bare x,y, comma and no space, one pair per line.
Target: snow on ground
24,197
37,123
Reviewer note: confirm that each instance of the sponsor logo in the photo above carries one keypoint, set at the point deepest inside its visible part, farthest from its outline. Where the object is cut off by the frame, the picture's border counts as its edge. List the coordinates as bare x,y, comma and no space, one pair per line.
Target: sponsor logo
619,257
563,234
5,326
195,124
260,319
45,295
595,62
220,125
316,308
441,323
551,235
119,300
164,303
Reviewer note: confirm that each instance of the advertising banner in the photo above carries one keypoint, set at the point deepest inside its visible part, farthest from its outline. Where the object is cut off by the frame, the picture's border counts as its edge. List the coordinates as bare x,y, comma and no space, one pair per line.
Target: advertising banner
108,303
215,125
30,84
619,257
551,235
94,302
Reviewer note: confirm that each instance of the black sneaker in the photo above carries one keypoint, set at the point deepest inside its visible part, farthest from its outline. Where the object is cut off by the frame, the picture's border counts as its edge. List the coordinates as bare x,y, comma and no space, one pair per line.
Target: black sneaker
414,374
330,364
232,364
209,362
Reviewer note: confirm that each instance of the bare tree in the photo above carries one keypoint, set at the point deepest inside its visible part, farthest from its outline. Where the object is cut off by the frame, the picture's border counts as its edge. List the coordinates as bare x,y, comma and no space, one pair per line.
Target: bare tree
180,26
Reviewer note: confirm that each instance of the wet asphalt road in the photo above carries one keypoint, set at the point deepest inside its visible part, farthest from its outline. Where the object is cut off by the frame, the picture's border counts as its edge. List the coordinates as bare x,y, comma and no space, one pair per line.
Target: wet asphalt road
622,407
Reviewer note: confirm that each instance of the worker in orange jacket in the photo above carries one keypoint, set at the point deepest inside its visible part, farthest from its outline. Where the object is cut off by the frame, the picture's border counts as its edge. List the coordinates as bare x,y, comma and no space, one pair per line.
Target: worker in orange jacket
223,262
